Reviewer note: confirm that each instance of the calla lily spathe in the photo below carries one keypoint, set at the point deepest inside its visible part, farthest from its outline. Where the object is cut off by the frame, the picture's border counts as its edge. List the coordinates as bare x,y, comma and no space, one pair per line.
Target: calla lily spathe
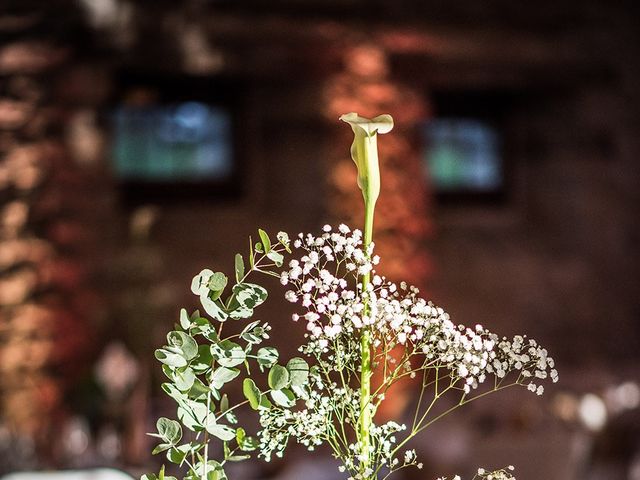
364,151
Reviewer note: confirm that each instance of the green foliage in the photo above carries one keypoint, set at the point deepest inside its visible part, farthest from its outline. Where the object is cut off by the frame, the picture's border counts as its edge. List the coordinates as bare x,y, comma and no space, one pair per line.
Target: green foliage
222,375
228,353
267,357
283,397
252,393
160,476
199,362
264,238
246,297
298,370
239,268
278,377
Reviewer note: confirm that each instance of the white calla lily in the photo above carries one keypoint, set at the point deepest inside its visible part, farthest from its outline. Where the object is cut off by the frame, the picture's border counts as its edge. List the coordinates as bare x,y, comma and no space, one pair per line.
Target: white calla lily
364,151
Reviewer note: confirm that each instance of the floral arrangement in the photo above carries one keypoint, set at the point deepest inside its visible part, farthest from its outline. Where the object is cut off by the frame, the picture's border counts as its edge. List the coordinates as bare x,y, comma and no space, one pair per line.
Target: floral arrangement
357,323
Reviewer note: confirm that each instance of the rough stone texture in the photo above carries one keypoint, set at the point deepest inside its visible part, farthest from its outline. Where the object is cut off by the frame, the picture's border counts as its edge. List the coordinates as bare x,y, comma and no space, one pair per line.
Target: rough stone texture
49,310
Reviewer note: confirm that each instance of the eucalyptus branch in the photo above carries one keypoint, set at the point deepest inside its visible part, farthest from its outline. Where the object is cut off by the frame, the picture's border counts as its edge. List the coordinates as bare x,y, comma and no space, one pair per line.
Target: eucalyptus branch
198,362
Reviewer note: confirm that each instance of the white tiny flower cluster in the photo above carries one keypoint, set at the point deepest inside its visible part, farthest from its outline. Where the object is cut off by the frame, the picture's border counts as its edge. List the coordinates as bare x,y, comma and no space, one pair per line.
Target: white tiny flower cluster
319,282
475,353
529,358
309,426
383,439
383,436
502,474
324,282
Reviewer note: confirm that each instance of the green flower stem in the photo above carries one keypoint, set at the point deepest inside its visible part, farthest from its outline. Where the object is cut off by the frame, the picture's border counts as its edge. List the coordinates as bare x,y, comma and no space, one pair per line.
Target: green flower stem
206,440
365,353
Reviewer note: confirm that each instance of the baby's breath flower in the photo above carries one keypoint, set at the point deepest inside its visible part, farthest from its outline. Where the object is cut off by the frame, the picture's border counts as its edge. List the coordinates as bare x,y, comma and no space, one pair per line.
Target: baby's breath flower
323,280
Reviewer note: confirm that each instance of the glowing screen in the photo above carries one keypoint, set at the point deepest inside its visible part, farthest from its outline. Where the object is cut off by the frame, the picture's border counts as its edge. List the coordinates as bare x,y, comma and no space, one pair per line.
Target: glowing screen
462,155
182,142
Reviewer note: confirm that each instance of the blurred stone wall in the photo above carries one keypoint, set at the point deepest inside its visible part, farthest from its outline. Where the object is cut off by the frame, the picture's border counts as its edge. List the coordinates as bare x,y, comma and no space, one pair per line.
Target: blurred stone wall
51,224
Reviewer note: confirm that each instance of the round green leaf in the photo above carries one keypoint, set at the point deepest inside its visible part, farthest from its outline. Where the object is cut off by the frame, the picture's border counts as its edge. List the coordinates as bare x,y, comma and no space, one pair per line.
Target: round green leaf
298,370
177,454
223,375
202,362
185,321
203,327
170,358
266,242
193,415
264,402
252,333
283,238
240,435
197,390
251,393
200,281
228,354
267,356
224,403
215,471
184,380
212,308
161,448
246,296
239,267
278,377
169,430
184,343
168,371
284,397
171,390
238,458
276,258
223,432
248,444
217,282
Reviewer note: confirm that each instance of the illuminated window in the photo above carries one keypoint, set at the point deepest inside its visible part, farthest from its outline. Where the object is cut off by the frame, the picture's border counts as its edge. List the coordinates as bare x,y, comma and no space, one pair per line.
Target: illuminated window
175,137
462,156
183,142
